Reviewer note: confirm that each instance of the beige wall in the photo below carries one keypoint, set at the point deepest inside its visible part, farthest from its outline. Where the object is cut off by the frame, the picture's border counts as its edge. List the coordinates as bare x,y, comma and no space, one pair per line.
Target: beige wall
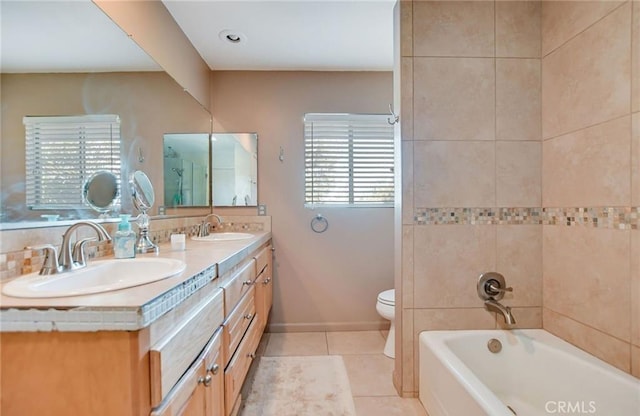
152,27
322,281
149,104
470,74
530,111
591,134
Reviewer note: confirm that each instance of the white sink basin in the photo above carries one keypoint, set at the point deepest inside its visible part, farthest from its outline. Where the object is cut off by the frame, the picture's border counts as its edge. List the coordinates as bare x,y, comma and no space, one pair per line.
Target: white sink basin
223,237
99,276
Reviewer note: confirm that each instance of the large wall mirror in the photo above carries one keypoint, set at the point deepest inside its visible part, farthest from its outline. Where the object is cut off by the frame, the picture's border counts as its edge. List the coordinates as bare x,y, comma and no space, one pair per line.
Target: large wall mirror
58,59
221,165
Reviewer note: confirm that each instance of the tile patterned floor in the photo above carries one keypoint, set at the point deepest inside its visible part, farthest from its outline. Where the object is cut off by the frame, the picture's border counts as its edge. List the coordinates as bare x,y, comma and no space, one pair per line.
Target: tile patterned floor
369,370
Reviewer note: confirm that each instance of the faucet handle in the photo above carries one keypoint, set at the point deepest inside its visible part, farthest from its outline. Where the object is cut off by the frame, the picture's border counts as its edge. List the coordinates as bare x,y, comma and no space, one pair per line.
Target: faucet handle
50,264
78,250
496,288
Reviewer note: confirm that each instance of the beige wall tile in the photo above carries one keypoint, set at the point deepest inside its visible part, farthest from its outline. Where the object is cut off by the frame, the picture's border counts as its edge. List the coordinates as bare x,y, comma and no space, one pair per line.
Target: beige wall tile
458,28
454,98
603,346
587,80
635,159
562,20
519,259
590,167
451,257
518,99
407,266
454,319
525,318
635,361
406,28
635,287
406,99
454,174
407,182
635,58
518,29
586,276
408,353
518,176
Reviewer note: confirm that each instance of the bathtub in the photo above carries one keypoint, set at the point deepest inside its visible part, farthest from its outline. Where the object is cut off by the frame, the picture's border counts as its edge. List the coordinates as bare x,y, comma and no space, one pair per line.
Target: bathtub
535,373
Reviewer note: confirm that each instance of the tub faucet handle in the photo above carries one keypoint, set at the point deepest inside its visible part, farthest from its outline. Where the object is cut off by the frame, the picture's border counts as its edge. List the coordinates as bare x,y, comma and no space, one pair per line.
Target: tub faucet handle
496,288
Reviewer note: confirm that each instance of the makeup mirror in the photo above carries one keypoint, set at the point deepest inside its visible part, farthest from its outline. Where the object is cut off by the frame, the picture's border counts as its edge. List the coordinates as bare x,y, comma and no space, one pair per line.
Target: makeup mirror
143,199
100,191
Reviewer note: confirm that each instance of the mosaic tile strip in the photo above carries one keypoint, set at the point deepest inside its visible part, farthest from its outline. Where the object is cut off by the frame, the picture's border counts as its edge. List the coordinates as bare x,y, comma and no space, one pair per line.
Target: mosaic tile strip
169,300
20,262
478,216
623,218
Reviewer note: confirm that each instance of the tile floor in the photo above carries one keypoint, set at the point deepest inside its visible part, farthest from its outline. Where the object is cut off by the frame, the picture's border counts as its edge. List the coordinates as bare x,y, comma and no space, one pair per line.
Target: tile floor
369,370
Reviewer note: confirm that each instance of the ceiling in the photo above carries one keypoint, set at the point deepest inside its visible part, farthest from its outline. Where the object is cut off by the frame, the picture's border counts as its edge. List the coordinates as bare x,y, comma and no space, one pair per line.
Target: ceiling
75,36
65,36
289,34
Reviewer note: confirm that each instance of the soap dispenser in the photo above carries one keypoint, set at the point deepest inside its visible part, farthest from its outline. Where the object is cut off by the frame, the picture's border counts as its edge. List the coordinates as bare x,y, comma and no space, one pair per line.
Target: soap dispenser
124,242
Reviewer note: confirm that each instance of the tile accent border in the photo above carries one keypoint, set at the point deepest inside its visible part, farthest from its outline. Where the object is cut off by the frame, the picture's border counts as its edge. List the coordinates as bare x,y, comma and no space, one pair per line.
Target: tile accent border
620,218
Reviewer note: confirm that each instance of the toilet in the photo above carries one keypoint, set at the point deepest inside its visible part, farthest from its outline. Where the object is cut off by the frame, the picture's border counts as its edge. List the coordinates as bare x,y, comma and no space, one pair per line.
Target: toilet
386,308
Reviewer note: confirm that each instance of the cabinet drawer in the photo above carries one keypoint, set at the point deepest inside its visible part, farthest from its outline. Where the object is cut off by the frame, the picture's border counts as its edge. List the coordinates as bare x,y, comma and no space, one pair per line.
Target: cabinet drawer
189,394
238,367
173,354
237,323
237,285
262,259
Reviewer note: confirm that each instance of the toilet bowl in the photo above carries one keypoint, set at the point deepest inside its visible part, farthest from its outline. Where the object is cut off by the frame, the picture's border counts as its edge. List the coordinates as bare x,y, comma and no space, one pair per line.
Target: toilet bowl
386,308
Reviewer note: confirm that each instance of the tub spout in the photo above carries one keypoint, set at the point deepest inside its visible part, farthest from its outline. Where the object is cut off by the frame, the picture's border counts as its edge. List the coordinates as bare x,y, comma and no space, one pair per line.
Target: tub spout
495,306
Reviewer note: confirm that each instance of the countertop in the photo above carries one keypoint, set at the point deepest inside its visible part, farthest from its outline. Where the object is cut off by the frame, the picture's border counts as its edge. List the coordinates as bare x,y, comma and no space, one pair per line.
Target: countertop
132,308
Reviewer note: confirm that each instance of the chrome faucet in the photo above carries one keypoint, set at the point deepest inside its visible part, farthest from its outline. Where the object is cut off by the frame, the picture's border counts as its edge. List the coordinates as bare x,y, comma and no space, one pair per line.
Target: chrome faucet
70,258
495,306
491,288
205,227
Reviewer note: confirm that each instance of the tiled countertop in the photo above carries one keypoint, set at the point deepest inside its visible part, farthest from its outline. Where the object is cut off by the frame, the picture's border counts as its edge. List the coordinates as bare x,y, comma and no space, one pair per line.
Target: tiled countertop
132,308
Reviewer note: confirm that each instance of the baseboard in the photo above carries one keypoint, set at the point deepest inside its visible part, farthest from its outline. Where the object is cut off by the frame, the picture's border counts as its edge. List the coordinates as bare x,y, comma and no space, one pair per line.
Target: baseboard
328,326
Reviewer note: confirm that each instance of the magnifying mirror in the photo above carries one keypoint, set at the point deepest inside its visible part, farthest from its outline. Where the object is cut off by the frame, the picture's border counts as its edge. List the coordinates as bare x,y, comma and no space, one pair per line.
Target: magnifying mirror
143,198
100,190
142,191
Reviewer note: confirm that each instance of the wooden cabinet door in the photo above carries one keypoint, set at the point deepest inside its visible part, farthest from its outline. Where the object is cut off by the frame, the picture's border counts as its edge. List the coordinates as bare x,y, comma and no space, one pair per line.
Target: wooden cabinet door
215,368
187,398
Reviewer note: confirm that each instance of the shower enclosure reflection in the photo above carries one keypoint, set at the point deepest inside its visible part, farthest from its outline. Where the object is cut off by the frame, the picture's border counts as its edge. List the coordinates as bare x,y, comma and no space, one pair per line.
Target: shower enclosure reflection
232,178
234,161
186,170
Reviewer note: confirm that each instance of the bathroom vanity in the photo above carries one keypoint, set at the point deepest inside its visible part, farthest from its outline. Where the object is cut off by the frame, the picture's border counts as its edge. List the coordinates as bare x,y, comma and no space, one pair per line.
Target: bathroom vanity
179,346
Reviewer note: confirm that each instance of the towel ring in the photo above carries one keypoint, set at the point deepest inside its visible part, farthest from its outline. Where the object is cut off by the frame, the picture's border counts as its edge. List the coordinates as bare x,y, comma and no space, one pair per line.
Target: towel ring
319,224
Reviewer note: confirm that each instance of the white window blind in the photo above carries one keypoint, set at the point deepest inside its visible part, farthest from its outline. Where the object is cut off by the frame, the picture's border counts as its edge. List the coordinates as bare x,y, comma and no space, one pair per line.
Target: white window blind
62,152
348,160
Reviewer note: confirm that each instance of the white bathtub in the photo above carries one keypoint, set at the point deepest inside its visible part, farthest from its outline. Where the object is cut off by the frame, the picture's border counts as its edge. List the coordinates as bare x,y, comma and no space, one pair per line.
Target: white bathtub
536,373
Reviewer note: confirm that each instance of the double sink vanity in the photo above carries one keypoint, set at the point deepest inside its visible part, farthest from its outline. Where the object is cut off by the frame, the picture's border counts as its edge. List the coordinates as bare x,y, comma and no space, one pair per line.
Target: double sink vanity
180,344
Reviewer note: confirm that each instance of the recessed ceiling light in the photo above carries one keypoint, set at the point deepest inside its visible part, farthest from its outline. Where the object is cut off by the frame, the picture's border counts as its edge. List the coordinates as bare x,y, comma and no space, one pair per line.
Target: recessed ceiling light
232,36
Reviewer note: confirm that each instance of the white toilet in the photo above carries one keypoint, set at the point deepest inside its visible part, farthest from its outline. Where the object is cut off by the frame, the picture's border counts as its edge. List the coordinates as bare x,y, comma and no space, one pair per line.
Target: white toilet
386,308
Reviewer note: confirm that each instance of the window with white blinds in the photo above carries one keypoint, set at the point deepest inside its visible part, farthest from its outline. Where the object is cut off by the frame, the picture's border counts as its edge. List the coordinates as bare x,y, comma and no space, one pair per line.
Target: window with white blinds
348,160
62,152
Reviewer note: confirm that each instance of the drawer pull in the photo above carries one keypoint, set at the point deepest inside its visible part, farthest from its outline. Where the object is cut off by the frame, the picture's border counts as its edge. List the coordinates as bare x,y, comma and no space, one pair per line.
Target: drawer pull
248,282
251,355
214,369
248,317
206,380
266,281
